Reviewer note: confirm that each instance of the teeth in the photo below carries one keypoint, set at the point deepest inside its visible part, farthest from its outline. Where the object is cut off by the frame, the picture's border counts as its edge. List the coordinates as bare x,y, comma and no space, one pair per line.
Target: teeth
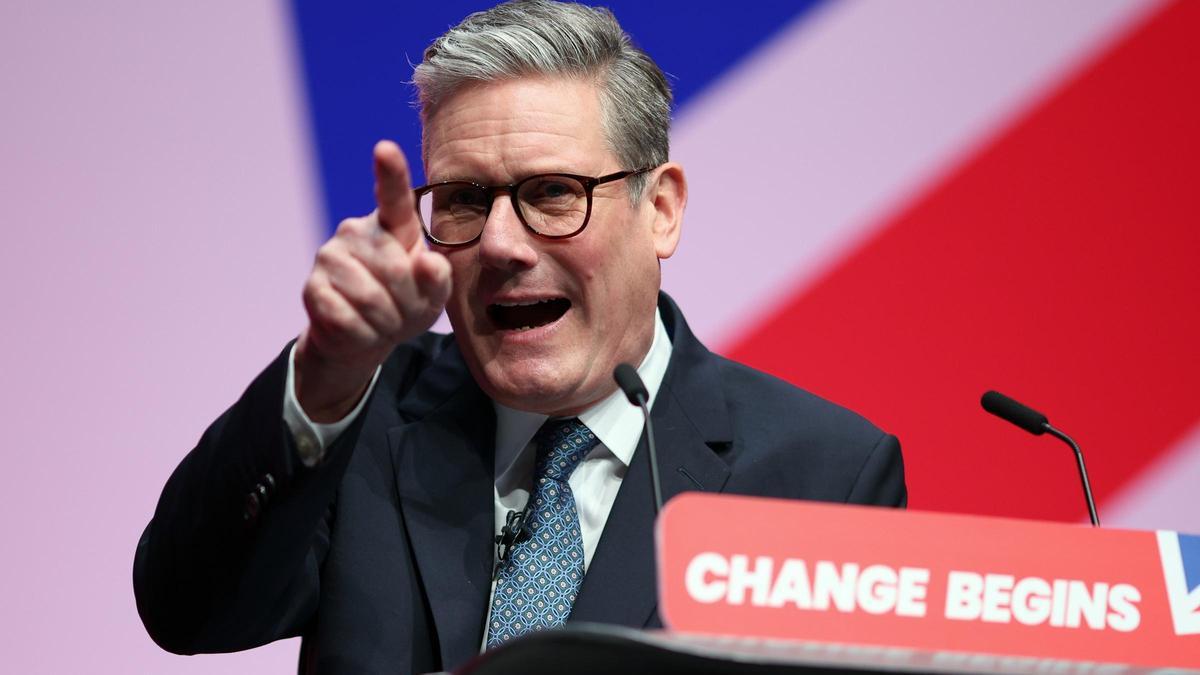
524,304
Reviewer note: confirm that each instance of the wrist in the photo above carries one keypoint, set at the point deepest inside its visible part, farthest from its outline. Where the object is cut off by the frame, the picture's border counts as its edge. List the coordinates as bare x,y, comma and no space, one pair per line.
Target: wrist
328,390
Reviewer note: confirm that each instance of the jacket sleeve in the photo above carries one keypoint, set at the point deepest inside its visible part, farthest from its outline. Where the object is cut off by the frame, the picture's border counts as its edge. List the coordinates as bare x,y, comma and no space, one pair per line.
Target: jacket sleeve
231,557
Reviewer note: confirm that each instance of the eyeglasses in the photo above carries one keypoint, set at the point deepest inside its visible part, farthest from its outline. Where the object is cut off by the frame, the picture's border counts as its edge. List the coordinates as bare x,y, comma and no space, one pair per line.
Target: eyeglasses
551,205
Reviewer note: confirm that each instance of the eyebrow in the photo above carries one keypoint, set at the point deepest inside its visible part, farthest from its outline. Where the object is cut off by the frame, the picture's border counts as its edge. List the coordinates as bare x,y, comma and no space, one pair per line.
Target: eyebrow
476,181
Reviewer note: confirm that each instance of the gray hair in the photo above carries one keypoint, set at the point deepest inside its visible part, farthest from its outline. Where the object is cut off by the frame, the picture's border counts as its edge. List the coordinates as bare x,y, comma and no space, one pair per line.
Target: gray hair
542,37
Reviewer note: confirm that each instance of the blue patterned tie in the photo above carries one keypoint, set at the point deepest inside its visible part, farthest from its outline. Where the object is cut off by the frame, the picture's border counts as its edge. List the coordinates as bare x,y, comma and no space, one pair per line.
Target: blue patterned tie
539,580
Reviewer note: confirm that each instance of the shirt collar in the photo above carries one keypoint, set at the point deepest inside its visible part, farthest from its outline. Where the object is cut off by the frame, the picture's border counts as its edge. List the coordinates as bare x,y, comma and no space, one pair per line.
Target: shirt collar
616,422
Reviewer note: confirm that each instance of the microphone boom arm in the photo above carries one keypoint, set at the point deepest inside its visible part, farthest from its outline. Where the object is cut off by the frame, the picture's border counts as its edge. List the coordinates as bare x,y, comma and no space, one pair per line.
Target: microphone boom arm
1083,475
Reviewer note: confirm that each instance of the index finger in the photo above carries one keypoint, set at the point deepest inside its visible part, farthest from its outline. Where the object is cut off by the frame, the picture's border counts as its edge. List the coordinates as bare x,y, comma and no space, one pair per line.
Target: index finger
393,194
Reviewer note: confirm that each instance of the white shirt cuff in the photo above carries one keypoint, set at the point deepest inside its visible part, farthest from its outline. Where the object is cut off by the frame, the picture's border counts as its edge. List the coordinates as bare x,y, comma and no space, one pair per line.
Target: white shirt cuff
311,437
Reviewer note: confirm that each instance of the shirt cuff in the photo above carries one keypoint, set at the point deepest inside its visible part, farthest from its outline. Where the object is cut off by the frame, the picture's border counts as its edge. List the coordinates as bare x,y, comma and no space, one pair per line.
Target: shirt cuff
313,438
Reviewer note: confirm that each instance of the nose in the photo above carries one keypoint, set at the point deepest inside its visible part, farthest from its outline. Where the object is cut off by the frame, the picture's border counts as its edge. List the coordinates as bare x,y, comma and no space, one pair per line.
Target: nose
505,243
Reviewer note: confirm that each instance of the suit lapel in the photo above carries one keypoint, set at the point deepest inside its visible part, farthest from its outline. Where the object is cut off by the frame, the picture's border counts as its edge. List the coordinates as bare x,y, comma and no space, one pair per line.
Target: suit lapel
444,474
691,427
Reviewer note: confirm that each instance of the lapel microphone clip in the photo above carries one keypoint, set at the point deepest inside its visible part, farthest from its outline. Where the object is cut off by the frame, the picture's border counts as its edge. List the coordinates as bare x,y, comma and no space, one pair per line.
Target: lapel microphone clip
511,534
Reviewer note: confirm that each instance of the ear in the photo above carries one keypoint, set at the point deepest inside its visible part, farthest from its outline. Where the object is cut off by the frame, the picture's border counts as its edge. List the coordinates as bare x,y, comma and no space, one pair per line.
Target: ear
668,197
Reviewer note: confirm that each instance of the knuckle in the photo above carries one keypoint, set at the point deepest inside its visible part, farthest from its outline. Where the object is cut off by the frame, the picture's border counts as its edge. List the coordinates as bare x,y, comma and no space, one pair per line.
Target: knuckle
377,299
347,227
372,300
311,291
398,267
329,255
324,304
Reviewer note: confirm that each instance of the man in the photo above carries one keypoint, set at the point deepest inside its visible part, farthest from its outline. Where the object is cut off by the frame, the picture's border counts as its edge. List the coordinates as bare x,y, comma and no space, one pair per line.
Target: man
353,493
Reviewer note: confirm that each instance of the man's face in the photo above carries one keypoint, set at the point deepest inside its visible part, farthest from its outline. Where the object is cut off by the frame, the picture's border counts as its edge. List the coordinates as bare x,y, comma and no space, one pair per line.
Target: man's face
557,357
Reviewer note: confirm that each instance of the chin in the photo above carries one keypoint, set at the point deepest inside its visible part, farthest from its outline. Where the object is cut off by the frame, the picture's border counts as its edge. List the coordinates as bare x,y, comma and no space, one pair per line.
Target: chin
533,386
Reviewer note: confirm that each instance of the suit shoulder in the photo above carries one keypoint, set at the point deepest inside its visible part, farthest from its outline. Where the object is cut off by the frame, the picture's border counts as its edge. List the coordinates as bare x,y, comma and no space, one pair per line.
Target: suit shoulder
758,398
791,443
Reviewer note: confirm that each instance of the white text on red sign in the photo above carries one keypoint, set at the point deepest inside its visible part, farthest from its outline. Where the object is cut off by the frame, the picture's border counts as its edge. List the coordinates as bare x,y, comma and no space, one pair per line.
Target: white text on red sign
882,589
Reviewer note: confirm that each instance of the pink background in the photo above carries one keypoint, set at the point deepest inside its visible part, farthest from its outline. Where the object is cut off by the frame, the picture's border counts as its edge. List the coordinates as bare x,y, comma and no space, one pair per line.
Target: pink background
160,213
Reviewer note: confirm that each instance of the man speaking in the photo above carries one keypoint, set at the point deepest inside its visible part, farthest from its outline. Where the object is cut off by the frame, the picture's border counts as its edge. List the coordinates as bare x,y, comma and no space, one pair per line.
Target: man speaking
353,494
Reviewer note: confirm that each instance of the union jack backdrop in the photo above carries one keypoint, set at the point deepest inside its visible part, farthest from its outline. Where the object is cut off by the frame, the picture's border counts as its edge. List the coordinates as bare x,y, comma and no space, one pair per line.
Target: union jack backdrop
896,205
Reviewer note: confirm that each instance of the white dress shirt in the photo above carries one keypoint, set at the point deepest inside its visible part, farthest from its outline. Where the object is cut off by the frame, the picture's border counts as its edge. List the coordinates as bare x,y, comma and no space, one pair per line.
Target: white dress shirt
594,483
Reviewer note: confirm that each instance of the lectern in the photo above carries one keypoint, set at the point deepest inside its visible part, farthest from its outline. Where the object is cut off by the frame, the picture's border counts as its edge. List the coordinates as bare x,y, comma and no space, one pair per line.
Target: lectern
755,585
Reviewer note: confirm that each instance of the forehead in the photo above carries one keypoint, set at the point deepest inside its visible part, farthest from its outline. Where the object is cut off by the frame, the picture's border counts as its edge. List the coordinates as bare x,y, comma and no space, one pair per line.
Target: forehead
502,131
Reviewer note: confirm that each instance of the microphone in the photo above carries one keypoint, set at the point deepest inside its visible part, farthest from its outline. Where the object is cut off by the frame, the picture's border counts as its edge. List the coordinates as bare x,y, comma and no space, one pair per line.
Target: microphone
1036,423
510,535
629,382
1009,410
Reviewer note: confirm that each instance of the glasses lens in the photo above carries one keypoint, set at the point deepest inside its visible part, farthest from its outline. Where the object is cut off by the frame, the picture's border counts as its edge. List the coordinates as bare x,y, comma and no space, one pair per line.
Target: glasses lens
553,205
454,213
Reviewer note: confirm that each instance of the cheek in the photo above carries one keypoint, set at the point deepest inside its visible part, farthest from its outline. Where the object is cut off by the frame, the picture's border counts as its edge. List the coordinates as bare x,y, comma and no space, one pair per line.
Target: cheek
462,270
617,258
621,291
634,272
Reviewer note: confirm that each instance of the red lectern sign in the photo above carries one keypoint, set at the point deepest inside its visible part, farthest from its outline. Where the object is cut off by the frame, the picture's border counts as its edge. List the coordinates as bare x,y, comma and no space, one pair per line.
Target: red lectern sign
819,572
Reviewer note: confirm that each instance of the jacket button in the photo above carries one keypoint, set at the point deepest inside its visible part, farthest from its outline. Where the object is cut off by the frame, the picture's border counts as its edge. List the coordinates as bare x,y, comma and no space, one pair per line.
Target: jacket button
253,507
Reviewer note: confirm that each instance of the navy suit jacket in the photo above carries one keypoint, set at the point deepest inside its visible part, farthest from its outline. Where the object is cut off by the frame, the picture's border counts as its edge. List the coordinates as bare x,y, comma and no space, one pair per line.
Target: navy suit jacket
381,556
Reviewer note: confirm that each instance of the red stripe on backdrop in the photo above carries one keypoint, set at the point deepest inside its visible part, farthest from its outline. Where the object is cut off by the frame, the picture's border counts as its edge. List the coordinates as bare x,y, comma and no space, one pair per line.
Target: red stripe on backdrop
1060,265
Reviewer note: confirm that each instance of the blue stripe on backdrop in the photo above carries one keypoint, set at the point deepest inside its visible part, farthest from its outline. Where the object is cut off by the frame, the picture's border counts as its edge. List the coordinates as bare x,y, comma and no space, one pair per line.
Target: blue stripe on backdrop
356,59
1189,553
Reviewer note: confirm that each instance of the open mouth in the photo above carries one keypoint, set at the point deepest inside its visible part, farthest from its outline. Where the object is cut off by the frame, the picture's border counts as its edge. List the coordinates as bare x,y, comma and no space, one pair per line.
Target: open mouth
527,315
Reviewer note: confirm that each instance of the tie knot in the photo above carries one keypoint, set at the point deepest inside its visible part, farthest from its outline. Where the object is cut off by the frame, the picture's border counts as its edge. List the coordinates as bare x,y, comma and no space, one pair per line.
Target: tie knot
561,446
